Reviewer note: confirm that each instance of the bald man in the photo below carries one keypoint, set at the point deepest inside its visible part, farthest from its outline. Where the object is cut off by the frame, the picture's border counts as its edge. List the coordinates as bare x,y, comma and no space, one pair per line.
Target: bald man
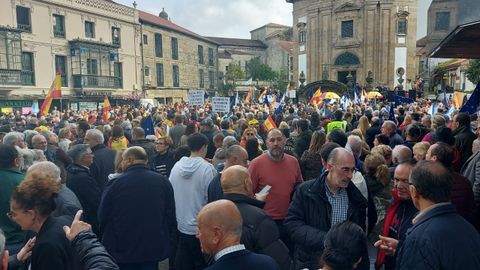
219,232
235,155
260,234
321,203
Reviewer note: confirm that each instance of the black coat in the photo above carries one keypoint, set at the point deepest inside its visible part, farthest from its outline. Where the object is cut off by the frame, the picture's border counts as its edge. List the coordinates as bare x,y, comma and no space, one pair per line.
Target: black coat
81,182
260,233
148,145
163,164
309,216
52,249
242,260
92,253
370,134
137,216
440,239
302,142
103,164
463,142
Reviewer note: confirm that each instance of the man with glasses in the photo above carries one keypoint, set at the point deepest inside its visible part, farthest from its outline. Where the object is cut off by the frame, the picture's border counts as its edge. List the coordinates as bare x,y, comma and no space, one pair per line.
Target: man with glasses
319,204
400,215
439,237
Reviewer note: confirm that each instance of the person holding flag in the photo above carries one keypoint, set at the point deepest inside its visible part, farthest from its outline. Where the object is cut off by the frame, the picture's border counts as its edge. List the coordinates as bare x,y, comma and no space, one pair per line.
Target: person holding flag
106,109
54,92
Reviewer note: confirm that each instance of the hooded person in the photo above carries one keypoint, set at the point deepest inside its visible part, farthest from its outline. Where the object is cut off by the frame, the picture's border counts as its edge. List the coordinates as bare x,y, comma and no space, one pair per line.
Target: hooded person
190,178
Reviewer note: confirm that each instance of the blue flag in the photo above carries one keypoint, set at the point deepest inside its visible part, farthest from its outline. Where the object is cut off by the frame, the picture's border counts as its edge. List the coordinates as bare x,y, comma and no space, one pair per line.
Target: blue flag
471,107
391,115
147,125
399,100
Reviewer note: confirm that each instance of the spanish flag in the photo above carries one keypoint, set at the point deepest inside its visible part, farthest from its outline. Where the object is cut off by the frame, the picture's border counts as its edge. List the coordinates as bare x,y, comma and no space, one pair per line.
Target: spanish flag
261,98
269,124
248,98
54,92
106,110
317,97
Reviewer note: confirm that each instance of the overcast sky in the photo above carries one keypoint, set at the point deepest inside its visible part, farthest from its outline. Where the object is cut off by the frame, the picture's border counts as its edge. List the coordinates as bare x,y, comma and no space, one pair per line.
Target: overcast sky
227,18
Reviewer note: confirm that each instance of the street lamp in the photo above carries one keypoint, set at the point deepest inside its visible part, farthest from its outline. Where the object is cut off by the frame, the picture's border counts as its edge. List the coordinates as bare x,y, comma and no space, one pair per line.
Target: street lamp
302,85
350,82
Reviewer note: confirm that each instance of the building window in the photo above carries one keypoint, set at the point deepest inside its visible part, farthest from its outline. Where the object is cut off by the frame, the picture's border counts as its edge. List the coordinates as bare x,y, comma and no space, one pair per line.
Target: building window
346,59
89,29
92,67
118,74
116,36
174,48
347,29
200,54
176,76
442,21
211,59
60,66
58,26
146,71
145,39
158,45
201,79
28,70
23,19
10,51
402,27
160,75
211,79
302,36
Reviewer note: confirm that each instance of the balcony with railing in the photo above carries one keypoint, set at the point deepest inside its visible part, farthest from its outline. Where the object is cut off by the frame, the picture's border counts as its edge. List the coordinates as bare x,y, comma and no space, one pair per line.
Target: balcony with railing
24,27
95,81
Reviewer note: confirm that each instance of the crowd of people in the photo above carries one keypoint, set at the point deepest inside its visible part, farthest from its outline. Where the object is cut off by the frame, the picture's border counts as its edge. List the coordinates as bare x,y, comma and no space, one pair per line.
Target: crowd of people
339,187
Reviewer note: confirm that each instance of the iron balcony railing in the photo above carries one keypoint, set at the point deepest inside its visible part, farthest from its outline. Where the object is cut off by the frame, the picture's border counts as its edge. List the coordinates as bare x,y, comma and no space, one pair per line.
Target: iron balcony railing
89,81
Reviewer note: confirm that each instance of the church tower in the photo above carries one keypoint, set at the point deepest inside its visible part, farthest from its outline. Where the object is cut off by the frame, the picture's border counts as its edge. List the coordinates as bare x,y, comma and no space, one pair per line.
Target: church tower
361,38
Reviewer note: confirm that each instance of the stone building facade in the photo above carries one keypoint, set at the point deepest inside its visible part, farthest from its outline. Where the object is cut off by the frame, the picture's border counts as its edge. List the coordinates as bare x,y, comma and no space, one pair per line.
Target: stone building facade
92,42
175,59
337,38
442,19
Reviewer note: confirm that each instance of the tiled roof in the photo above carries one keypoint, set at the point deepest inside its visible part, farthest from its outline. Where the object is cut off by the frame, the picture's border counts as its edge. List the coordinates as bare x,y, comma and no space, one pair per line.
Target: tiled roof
271,25
238,42
156,20
286,45
422,42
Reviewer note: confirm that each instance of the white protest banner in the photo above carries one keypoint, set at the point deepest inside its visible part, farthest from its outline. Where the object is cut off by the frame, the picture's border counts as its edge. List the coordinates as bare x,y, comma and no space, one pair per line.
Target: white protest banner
221,104
196,97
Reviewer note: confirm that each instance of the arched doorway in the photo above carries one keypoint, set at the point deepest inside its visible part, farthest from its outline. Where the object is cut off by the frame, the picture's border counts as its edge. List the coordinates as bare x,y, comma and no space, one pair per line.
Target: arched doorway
346,63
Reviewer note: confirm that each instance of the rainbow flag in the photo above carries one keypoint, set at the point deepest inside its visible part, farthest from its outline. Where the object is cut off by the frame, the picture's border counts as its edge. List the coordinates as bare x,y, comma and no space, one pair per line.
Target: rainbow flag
54,92
106,109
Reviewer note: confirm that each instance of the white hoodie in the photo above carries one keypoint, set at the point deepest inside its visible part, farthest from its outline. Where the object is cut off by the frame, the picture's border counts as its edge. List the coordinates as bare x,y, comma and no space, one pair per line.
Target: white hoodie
190,178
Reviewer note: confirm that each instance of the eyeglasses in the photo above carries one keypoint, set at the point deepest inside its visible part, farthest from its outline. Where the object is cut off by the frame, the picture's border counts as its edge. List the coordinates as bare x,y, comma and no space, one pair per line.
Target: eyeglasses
160,143
250,134
346,170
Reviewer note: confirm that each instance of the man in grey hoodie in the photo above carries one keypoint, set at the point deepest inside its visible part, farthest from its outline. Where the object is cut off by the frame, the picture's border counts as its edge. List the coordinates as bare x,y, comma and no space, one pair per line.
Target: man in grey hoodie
190,178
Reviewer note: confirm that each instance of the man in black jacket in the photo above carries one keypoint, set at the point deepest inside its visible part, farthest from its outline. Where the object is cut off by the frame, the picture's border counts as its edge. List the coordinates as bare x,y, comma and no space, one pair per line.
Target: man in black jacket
319,204
302,143
103,157
260,233
137,214
464,137
138,139
81,182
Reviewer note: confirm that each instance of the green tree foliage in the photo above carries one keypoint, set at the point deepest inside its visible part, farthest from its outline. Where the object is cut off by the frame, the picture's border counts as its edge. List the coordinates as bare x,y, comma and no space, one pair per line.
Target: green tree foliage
473,71
260,71
234,72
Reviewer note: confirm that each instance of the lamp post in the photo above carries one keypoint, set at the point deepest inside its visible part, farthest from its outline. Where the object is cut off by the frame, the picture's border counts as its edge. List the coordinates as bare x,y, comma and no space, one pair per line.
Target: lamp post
302,85
350,83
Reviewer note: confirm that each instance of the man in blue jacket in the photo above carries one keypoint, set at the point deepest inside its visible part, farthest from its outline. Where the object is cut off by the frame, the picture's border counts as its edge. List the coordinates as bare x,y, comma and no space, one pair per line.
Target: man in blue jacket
137,214
439,238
